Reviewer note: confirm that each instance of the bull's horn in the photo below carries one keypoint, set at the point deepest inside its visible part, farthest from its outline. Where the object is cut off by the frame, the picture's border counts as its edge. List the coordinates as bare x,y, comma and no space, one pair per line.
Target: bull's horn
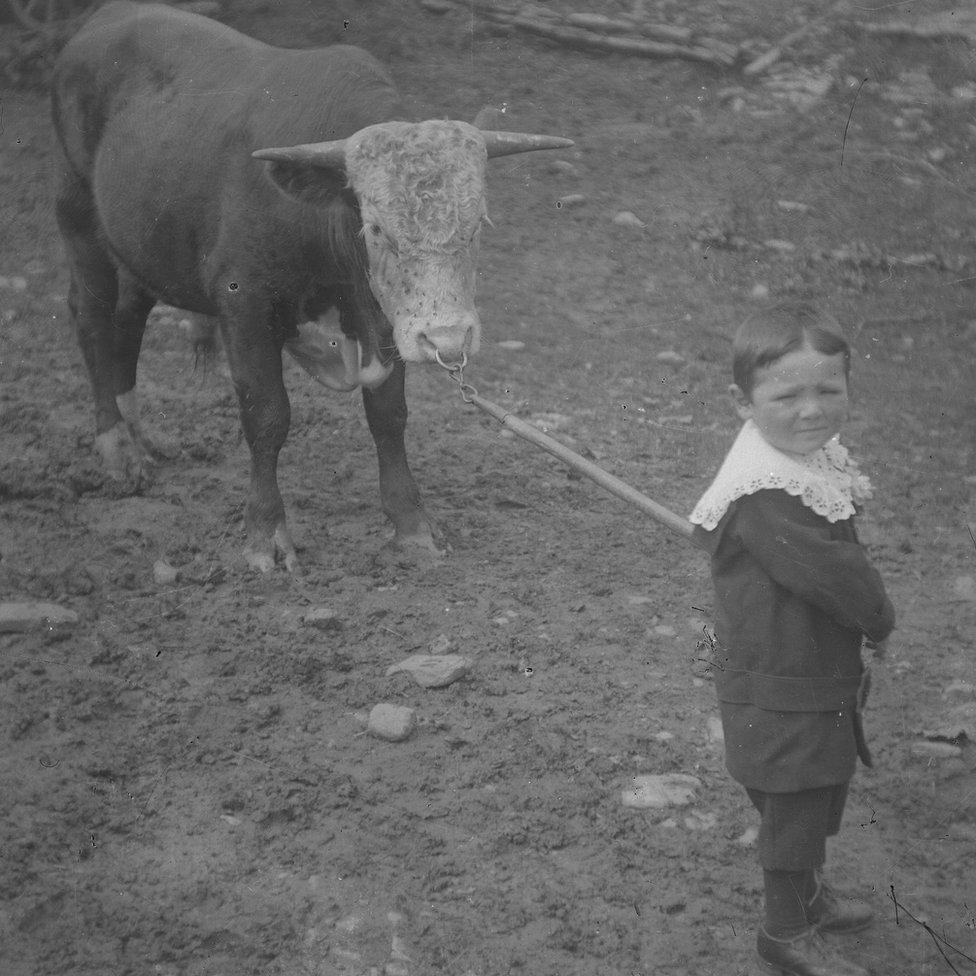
506,143
311,154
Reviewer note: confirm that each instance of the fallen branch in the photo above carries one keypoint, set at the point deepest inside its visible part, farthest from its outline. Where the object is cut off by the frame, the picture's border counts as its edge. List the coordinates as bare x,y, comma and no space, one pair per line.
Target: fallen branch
770,57
575,37
956,23
601,24
597,32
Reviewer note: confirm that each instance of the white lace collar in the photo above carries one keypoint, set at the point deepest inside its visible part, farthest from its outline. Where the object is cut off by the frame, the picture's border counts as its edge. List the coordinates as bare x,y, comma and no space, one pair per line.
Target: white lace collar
827,481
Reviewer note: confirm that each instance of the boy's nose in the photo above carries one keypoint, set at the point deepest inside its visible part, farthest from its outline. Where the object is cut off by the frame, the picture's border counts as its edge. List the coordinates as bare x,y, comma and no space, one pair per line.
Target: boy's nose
810,407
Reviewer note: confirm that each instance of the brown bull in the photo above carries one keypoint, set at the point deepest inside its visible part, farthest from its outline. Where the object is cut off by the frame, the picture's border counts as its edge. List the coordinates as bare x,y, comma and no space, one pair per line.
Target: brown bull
264,187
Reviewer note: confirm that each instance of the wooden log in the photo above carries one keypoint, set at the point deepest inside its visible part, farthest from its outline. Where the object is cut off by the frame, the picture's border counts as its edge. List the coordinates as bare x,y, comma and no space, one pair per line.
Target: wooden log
955,23
764,61
621,45
664,32
597,32
600,24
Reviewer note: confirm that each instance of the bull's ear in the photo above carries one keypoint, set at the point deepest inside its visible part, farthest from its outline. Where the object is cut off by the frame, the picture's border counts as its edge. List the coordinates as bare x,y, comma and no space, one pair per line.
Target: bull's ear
311,184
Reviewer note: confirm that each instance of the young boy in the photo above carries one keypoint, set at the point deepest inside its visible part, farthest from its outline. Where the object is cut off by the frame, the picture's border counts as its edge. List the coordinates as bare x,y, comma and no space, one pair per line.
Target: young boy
795,594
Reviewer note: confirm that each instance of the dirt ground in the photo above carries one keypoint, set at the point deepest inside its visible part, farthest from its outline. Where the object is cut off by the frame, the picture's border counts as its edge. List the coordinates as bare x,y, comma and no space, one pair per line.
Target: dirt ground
188,786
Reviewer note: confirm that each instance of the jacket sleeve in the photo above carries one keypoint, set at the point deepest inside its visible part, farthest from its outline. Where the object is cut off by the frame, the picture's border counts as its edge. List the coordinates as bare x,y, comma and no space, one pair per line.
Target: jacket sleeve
800,551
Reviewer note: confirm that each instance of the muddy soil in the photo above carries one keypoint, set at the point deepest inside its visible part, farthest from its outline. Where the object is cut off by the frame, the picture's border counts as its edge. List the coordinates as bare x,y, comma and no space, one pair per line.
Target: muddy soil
189,787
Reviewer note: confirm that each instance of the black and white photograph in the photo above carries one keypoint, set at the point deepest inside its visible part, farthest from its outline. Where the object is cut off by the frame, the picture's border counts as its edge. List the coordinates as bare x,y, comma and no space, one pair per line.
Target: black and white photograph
487,488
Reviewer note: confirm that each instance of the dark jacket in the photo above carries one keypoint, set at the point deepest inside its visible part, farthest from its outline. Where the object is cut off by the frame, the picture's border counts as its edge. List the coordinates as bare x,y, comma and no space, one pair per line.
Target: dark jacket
795,594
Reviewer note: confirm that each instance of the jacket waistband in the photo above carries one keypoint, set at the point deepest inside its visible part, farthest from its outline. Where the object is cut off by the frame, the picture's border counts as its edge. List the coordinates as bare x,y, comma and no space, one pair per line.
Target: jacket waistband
781,694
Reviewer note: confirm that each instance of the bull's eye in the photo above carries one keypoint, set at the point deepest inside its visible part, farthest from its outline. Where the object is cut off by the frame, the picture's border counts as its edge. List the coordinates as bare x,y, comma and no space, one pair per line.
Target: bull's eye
375,230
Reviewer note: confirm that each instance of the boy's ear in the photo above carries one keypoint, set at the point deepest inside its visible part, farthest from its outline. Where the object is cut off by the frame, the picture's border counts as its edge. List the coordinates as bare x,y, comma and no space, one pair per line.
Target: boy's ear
743,404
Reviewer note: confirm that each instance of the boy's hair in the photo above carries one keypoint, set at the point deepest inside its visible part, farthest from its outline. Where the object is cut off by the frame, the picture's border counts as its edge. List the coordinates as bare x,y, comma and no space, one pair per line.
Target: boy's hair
771,333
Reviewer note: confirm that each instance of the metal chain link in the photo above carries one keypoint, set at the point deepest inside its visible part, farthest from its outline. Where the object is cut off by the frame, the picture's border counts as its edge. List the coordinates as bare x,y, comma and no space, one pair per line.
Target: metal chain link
456,370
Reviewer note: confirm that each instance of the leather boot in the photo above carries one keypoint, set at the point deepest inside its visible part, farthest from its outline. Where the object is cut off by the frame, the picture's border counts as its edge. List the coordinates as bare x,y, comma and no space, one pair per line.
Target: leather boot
806,954
837,914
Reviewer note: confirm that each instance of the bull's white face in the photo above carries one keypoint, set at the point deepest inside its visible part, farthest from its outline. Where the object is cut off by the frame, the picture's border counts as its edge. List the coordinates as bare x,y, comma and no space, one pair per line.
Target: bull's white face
421,190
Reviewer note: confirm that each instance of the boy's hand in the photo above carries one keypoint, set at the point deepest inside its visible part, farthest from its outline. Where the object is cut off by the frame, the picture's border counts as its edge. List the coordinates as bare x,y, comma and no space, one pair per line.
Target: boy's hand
880,648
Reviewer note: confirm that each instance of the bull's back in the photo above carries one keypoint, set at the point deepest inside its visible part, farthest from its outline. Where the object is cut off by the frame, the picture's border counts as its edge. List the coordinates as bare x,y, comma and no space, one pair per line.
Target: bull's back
158,112
129,56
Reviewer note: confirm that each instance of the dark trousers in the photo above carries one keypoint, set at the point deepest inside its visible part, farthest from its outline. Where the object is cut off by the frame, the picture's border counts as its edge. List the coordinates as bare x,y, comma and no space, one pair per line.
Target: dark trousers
795,826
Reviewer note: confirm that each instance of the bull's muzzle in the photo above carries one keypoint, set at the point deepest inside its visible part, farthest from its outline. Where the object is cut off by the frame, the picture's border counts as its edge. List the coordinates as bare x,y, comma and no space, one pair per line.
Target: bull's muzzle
450,343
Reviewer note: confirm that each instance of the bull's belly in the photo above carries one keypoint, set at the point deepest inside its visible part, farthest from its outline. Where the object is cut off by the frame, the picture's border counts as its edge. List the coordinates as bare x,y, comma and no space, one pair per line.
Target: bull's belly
156,222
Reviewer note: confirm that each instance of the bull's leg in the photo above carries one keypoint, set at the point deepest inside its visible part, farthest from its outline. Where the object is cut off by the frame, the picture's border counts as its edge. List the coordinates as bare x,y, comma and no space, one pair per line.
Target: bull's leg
92,297
386,412
128,326
254,357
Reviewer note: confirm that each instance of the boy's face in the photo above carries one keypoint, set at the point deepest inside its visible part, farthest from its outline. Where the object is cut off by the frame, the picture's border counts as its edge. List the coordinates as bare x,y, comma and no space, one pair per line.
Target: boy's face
798,402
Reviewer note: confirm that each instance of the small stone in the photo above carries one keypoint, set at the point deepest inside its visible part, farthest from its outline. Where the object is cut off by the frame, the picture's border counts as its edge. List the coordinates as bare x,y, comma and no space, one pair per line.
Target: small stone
793,206
625,218
659,791
935,750
562,167
550,421
391,722
784,247
323,618
669,356
759,291
433,670
23,616
163,573
570,200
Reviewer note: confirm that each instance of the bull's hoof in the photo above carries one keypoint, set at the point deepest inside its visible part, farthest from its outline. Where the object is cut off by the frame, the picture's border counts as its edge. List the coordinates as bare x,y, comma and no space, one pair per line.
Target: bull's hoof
262,556
123,458
408,551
